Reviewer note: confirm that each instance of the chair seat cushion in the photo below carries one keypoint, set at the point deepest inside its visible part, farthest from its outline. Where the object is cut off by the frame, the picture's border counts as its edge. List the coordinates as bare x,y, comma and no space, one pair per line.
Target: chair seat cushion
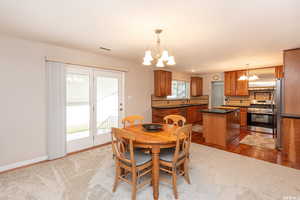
168,154
139,156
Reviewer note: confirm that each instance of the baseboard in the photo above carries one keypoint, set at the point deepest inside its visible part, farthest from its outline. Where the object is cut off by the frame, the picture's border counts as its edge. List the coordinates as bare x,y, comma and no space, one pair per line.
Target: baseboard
22,163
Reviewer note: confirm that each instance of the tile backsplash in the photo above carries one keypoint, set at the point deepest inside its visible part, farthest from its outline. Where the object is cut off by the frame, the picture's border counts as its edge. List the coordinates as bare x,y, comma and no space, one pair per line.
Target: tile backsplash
159,101
238,101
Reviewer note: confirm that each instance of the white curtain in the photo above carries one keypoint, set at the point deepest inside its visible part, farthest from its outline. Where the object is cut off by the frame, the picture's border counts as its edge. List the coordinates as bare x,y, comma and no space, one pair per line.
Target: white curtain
56,110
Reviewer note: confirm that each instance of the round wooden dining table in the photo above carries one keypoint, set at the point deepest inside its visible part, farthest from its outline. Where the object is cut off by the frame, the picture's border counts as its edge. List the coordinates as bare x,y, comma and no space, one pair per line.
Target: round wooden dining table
154,141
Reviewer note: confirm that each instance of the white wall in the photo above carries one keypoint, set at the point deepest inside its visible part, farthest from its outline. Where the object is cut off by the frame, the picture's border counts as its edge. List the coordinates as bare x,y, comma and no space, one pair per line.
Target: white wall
181,76
23,94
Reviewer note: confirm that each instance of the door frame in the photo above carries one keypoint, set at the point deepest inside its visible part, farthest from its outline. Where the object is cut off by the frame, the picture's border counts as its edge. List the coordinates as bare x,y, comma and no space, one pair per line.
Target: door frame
121,108
87,142
92,140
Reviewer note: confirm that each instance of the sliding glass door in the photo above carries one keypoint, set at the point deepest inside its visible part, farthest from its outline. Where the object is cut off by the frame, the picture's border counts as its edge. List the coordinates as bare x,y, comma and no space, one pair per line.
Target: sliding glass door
108,104
94,106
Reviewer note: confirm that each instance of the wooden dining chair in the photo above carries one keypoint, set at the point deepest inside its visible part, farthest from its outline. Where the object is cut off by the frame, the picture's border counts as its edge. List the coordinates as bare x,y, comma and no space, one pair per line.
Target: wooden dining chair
129,162
176,120
176,161
132,119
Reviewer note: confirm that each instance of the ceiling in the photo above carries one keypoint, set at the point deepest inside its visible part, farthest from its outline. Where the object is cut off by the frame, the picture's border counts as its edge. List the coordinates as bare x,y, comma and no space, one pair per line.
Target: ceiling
205,36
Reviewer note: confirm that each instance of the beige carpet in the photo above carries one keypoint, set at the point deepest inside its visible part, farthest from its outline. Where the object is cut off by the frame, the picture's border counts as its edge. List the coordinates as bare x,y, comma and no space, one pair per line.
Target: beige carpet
259,140
215,175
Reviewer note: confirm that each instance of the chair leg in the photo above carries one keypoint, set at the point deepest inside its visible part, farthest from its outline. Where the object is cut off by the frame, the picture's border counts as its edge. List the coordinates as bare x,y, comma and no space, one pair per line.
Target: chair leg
118,173
174,181
133,189
186,172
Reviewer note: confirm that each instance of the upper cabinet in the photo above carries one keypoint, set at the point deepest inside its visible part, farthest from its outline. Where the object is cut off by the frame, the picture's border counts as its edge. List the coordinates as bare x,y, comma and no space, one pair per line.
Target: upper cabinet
291,81
196,86
230,83
162,83
279,71
233,86
241,85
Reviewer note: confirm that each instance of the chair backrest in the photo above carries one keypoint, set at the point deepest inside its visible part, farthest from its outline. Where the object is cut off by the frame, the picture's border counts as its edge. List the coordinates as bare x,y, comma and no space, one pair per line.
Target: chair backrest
131,119
122,141
177,120
183,142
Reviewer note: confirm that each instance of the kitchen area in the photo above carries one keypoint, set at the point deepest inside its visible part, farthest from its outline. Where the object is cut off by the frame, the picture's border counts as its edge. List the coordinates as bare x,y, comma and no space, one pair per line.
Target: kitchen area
262,103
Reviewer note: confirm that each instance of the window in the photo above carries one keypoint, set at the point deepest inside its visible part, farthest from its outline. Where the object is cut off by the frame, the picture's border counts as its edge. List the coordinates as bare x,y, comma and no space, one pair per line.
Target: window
180,89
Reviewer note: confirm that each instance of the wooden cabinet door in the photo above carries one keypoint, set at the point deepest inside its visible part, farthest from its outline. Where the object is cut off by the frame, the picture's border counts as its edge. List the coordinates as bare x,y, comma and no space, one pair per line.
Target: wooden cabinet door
190,115
227,84
292,81
162,83
168,83
230,83
196,86
159,114
200,86
279,71
241,85
200,114
243,117
233,83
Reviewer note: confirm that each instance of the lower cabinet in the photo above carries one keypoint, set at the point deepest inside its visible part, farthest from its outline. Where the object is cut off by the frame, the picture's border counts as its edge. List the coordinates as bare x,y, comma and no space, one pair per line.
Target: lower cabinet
290,132
191,113
243,117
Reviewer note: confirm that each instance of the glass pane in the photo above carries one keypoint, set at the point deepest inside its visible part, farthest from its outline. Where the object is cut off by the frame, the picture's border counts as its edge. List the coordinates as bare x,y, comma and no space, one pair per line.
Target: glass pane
78,108
181,91
107,104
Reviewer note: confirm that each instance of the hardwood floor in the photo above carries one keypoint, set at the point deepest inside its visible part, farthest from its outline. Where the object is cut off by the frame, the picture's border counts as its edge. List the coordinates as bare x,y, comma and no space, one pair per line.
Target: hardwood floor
270,155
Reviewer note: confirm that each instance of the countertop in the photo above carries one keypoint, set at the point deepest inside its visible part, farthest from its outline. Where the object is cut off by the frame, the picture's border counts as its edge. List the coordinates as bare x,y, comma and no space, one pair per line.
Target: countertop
177,106
237,106
286,115
218,111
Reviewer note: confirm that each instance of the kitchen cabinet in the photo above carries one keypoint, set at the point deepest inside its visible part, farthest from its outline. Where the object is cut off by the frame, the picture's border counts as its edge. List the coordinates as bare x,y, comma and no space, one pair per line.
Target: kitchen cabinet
291,111
191,113
291,138
291,81
220,128
194,116
241,85
279,71
233,86
243,117
162,83
196,86
230,83
159,114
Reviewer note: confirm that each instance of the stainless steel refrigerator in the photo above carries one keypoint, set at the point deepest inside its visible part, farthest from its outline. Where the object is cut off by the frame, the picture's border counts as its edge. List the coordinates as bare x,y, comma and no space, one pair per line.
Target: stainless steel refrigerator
279,108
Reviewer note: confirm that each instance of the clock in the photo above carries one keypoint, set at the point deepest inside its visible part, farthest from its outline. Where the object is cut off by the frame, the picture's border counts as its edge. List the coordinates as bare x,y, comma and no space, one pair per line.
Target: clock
216,77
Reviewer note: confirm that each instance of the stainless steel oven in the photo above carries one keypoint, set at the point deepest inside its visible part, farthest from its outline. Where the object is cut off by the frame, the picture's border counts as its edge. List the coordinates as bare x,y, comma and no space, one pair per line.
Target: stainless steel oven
261,117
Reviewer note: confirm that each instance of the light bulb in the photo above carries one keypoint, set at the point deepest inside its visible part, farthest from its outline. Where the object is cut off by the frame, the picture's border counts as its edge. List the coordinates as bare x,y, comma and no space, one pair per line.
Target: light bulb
253,78
243,78
171,61
148,55
165,55
160,63
146,62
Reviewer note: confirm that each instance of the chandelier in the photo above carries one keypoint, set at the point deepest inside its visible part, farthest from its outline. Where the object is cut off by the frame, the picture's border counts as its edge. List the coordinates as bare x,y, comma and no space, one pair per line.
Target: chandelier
244,77
158,56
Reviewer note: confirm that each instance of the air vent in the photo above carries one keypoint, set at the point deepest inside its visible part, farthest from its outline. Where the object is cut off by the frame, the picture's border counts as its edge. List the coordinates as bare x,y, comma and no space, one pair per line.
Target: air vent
105,49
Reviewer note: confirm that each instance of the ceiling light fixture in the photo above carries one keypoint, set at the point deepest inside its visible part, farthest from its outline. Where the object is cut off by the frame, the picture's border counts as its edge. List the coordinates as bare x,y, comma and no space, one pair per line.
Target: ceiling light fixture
157,55
246,76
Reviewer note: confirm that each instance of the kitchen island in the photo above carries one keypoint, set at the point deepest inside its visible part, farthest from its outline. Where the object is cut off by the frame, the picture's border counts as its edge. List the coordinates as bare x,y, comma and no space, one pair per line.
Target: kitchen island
220,126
